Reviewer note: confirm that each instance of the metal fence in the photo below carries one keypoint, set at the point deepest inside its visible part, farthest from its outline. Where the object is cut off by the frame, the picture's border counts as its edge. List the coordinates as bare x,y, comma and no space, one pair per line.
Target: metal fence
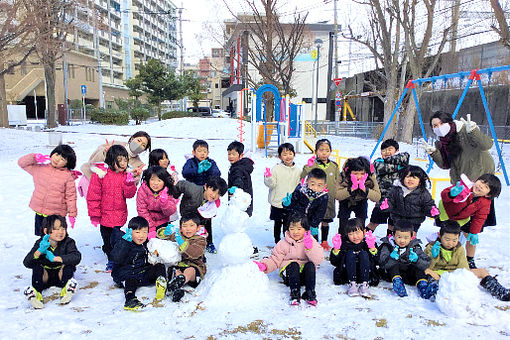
76,115
366,130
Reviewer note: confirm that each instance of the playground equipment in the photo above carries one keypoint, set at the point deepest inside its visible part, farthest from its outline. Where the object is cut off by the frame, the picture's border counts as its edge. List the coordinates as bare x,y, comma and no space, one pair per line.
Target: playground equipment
473,75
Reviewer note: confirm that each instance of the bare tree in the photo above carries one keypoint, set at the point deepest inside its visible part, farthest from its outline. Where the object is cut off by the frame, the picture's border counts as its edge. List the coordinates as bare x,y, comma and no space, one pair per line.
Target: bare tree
502,27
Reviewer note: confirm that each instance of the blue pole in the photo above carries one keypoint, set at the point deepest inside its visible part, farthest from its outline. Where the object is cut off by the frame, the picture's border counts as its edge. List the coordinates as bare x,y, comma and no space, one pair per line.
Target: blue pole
457,108
493,131
389,122
422,127
265,126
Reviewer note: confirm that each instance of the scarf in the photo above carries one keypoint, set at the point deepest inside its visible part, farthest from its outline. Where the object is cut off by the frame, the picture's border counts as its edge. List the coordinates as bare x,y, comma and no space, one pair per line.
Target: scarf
310,193
444,142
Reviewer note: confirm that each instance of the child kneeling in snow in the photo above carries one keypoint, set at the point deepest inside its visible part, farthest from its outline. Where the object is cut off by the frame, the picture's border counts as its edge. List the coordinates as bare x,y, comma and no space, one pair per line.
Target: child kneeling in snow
297,255
191,238
53,260
447,254
354,259
130,265
402,260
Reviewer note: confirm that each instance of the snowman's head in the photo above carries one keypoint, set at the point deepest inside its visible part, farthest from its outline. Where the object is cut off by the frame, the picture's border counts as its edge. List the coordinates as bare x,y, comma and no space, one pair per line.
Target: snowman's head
240,199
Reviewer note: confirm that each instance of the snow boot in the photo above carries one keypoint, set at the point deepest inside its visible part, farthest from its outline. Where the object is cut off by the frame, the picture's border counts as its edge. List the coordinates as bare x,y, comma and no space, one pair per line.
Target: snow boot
160,287
34,297
66,294
364,290
495,288
176,283
422,286
310,297
133,304
353,289
471,263
177,295
109,267
295,297
398,286
211,248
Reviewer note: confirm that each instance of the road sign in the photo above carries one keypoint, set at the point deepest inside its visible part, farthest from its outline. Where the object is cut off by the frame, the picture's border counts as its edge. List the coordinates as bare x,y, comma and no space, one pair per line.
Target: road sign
84,89
337,81
338,95
338,103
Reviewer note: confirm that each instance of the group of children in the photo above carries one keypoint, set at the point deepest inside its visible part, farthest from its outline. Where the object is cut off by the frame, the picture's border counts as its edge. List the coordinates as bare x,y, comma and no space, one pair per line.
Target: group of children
302,204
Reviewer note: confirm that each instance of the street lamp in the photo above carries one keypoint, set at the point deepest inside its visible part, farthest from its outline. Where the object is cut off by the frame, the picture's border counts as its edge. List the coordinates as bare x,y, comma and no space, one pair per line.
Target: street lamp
318,43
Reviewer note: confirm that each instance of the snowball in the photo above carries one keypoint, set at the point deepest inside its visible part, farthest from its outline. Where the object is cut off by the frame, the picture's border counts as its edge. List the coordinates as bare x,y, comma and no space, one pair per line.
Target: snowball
163,251
459,295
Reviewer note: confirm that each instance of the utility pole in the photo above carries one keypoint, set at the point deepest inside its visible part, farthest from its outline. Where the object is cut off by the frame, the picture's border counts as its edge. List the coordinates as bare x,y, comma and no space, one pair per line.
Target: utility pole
64,75
336,39
181,46
99,68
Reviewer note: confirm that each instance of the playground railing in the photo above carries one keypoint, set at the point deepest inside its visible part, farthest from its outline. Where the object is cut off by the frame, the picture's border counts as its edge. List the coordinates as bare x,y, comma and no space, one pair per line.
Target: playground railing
359,129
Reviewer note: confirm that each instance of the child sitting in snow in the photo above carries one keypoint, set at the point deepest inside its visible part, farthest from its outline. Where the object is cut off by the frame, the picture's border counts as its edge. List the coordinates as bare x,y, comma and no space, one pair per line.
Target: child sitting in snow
354,259
296,256
469,204
131,267
402,260
447,254
191,238
239,174
53,260
310,198
200,167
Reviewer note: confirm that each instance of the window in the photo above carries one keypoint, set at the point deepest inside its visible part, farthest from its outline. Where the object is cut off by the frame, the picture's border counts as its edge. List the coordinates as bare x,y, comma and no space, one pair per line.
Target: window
70,71
216,85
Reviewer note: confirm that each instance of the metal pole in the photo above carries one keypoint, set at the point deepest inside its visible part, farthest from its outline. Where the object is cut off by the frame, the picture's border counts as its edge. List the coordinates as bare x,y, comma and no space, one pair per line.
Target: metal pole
66,94
330,66
317,85
99,68
335,22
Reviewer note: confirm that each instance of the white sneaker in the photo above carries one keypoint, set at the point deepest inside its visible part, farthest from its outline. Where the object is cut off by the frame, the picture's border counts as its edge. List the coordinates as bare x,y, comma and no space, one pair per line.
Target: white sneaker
353,289
66,294
34,297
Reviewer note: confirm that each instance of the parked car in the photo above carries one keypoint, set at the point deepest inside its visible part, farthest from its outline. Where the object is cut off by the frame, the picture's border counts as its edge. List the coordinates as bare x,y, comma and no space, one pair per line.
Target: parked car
204,110
220,113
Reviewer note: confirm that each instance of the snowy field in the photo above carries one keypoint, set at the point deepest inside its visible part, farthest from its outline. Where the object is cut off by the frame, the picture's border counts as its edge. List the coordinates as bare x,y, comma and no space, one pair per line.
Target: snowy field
96,311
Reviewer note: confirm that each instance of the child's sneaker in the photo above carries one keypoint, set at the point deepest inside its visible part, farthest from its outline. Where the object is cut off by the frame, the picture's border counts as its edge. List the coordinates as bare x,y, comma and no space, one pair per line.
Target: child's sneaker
177,295
160,287
398,286
295,296
211,248
325,246
66,294
353,289
133,304
472,264
310,297
34,297
176,283
109,267
364,290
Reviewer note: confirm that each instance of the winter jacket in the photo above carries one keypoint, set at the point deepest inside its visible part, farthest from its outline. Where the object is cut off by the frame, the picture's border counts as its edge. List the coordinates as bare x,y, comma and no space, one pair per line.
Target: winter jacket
106,198
314,208
54,189
409,206
190,171
474,160
387,170
386,248
343,189
100,154
192,199
66,249
239,175
289,250
192,252
332,172
130,260
283,181
149,206
439,263
477,208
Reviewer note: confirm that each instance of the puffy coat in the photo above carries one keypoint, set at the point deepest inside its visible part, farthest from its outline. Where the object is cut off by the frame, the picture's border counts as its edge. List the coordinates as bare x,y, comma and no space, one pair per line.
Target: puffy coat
387,170
332,172
413,207
106,198
130,260
439,263
54,189
149,206
343,189
289,250
387,246
66,249
192,199
239,175
314,208
190,171
192,252
283,180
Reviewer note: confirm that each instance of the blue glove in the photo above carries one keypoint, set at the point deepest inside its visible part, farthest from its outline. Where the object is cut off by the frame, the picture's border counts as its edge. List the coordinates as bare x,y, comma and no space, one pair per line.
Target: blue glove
457,189
128,235
49,255
204,165
413,257
473,239
287,199
231,190
314,231
178,238
394,254
436,248
44,244
379,160
170,229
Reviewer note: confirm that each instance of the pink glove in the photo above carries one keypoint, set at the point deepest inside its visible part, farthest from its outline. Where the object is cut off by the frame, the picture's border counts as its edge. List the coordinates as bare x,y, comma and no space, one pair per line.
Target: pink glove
384,204
72,220
434,211
464,194
163,196
361,182
262,267
95,221
337,241
370,240
311,160
354,181
129,178
308,240
151,234
267,173
41,159
172,167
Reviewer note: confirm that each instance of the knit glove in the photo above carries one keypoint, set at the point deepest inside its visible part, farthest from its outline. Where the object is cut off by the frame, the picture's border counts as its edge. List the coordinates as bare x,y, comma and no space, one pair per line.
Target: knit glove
361,182
49,255
354,181
436,248
427,147
434,211
457,189
129,178
370,240
314,231
163,196
44,244
267,173
384,205
72,221
337,241
42,159
470,125
178,238
308,240
232,190
413,257
473,239
394,254
311,160
128,236
204,165
95,221
262,267
171,229
287,199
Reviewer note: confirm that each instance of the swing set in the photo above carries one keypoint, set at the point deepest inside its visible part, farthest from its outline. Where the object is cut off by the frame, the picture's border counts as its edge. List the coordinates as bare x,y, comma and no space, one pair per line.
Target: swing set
472,76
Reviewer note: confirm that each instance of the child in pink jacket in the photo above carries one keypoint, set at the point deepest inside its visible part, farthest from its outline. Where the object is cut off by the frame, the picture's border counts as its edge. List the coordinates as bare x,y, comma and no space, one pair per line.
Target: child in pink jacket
297,256
54,188
106,197
153,202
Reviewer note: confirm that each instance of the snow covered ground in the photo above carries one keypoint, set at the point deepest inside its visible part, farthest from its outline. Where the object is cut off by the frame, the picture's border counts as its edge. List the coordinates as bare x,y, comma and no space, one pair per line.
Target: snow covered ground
96,311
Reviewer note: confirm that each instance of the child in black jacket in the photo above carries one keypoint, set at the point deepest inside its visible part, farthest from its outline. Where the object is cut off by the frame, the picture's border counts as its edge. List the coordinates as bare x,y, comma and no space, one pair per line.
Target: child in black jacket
239,174
200,167
130,266
53,260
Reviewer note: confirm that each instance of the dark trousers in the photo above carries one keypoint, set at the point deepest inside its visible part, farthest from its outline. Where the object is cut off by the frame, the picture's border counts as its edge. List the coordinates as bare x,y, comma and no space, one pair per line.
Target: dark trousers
147,278
38,224
53,277
208,228
110,237
357,262
344,213
409,272
277,230
295,279
324,233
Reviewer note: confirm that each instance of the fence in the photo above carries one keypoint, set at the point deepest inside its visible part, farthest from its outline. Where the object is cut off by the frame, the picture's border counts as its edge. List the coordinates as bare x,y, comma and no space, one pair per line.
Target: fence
366,130
76,115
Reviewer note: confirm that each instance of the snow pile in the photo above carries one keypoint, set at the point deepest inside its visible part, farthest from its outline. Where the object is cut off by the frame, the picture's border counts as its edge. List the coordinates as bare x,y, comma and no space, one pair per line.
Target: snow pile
163,251
459,295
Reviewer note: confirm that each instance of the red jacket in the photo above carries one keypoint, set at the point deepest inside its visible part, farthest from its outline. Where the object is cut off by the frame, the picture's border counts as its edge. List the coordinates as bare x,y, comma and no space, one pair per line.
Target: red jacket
475,207
106,198
149,206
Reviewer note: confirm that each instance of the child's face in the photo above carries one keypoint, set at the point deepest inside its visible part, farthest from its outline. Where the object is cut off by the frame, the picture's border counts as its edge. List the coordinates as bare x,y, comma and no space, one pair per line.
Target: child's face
287,157
211,194
411,182
403,238
234,156
388,152
316,184
163,162
121,164
296,231
201,153
140,235
156,183
58,232
449,241
480,189
323,152
358,173
356,236
189,228
57,161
